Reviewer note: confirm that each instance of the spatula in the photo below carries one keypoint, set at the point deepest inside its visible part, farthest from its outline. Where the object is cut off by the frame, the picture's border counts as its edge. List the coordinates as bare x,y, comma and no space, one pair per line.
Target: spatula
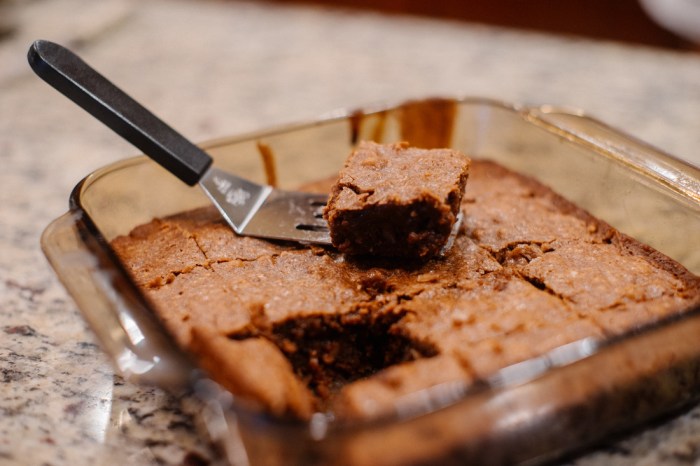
250,208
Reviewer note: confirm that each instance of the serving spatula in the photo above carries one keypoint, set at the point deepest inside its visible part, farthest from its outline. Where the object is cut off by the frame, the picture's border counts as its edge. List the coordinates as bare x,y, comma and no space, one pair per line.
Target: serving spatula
250,208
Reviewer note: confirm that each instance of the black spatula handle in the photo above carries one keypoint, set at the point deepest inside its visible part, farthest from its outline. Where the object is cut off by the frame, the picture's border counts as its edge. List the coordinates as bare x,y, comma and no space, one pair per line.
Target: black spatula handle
74,78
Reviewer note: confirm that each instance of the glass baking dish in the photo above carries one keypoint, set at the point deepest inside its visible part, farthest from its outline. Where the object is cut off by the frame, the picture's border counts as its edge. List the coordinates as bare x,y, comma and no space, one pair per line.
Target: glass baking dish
531,412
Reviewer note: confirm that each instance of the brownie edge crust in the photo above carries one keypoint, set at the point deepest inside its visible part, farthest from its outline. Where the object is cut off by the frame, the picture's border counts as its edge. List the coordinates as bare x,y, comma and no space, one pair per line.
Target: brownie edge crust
396,201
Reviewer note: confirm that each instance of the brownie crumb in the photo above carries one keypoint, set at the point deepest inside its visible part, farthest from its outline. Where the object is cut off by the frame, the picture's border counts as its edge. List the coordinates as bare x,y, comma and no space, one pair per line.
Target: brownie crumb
396,201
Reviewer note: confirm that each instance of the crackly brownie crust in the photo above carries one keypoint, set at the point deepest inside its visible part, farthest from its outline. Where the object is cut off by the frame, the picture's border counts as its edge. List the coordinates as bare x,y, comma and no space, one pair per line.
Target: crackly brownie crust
279,324
398,201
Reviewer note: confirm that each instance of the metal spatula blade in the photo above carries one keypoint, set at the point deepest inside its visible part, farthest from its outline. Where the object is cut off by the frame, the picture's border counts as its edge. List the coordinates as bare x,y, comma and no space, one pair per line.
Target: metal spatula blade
250,208
262,211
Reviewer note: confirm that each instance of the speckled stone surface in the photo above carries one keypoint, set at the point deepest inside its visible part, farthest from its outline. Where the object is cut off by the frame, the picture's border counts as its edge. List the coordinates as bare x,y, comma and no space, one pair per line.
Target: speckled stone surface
213,69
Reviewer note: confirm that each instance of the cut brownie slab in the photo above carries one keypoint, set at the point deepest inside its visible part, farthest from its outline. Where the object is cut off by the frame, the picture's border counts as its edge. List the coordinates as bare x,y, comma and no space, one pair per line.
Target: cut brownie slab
298,329
396,201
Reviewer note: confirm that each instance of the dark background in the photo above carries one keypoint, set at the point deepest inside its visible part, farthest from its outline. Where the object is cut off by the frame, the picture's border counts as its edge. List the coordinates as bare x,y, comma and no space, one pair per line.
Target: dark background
620,20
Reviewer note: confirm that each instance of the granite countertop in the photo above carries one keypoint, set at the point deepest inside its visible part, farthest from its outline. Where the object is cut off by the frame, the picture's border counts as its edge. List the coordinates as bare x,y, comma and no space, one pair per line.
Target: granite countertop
219,68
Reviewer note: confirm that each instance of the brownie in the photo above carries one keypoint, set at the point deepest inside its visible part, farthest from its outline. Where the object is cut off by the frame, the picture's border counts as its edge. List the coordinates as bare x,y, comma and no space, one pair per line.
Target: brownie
295,329
396,201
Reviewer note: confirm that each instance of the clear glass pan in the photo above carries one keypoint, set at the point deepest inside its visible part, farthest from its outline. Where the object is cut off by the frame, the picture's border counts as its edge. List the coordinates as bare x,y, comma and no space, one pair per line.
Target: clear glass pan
526,413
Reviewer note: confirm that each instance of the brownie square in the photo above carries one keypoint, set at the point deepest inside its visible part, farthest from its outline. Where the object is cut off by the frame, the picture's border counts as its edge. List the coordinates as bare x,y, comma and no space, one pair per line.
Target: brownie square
396,201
